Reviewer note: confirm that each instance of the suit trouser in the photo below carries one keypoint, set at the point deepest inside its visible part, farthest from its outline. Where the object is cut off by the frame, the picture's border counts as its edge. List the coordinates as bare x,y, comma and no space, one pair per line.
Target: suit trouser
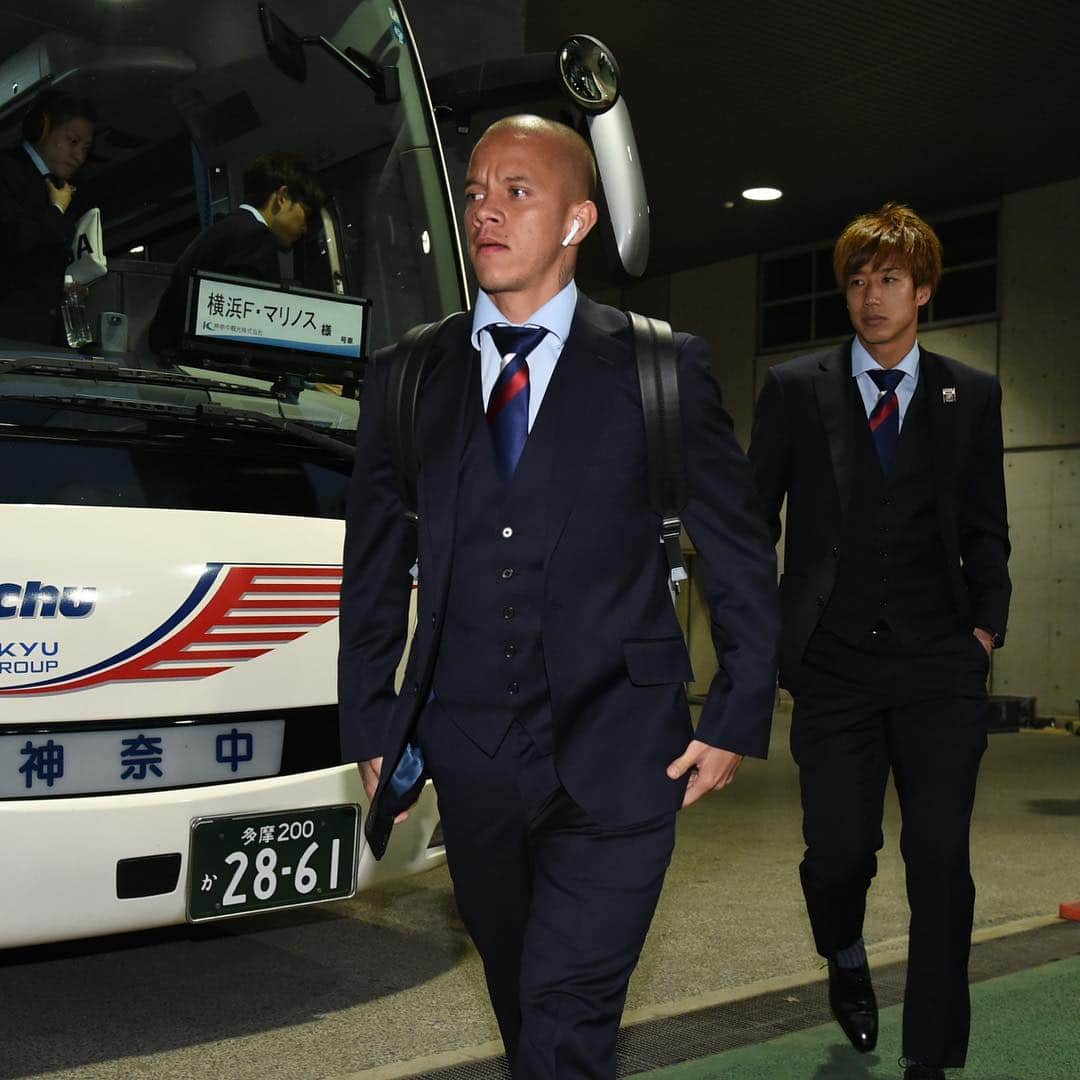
859,713
557,906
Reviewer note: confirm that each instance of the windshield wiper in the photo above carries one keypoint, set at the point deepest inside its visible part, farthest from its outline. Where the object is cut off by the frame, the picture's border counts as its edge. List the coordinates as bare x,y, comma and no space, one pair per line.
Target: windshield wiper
211,415
80,367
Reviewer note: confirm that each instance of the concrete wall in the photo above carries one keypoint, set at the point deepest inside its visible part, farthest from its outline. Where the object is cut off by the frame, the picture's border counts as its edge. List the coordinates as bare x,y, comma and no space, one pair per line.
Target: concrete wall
1032,346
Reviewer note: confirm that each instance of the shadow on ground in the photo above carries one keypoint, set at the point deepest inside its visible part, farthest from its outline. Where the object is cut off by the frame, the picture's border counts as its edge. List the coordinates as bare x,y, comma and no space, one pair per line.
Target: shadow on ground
185,986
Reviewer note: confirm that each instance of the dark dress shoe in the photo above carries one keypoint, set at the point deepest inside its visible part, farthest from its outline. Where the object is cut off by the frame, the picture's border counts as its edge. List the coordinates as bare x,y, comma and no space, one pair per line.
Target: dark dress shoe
924,1072
851,998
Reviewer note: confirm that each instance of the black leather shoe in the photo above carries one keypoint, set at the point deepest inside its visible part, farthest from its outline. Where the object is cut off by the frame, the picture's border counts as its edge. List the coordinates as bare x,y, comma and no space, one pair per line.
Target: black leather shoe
924,1072
851,998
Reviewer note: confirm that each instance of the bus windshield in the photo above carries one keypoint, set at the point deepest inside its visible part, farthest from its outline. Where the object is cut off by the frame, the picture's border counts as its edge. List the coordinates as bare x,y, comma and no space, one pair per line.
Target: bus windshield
186,97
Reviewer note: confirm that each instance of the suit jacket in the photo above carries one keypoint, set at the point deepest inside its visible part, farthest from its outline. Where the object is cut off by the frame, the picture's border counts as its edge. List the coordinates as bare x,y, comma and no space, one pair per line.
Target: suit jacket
615,657
802,448
35,249
238,244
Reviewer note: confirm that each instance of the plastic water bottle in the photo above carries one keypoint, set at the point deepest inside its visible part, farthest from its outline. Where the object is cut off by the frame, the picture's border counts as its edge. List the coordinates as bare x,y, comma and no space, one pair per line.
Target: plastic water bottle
76,323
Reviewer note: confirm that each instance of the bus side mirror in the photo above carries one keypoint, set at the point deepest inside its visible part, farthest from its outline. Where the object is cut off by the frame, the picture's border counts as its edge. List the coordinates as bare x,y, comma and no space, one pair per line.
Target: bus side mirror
589,73
284,46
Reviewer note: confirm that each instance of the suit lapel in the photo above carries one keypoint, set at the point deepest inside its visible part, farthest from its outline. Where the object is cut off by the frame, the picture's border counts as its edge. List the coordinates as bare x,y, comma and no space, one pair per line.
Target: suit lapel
581,393
943,415
444,400
832,388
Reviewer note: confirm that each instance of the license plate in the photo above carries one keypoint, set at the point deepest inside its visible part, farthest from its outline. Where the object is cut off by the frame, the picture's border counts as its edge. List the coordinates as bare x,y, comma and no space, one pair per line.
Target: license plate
258,862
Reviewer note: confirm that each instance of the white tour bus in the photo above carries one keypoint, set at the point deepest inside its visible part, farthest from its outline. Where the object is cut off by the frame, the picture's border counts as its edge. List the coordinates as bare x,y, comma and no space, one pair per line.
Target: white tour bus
173,524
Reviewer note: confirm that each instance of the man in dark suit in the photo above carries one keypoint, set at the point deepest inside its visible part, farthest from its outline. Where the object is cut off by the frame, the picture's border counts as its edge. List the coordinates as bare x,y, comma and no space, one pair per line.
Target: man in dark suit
281,195
545,681
895,591
37,223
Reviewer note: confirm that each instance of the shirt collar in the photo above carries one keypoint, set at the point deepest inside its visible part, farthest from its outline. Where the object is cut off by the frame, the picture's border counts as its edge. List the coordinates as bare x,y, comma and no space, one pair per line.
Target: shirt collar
254,213
37,159
862,361
555,316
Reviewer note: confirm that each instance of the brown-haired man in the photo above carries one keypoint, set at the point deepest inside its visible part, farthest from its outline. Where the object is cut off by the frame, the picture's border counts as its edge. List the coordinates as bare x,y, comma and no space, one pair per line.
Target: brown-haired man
544,684
895,591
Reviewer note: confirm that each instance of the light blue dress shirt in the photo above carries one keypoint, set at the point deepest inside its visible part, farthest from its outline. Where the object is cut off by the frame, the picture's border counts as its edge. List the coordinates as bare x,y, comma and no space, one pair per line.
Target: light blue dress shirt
253,212
862,363
555,317
36,158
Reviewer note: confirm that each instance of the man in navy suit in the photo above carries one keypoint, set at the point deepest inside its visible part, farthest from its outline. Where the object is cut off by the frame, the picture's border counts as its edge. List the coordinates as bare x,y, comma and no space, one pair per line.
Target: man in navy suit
895,591
37,220
545,682
281,195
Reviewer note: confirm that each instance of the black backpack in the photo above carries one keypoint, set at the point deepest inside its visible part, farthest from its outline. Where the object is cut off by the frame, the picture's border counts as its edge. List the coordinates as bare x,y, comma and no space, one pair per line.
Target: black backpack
654,349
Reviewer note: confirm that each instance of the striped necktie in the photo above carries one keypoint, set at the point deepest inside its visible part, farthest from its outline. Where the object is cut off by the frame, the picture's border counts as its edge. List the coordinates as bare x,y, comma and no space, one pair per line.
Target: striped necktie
508,406
885,416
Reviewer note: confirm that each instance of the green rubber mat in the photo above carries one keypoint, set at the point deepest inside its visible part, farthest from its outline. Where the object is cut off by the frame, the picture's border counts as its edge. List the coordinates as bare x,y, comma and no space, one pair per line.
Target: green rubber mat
1025,1026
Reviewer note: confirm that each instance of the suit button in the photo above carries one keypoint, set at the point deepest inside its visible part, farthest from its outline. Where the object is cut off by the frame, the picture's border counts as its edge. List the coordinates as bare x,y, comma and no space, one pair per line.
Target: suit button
886,500
883,554
510,651
434,619
884,603
513,688
835,551
507,532
884,581
508,612
507,574
819,600
415,687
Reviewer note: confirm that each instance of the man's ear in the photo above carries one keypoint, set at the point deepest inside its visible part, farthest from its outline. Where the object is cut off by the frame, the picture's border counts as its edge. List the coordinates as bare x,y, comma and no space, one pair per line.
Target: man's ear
276,201
922,295
586,215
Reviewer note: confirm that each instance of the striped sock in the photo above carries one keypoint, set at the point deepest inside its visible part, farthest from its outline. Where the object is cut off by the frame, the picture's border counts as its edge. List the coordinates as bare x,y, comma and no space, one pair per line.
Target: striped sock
853,956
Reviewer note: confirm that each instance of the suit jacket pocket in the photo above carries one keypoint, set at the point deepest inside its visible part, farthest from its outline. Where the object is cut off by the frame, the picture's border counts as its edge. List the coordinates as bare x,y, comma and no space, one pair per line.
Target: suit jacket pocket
658,661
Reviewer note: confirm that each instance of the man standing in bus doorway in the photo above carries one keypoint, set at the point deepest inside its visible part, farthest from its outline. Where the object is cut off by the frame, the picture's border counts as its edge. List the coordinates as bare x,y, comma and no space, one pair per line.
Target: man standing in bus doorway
895,591
37,225
281,195
545,683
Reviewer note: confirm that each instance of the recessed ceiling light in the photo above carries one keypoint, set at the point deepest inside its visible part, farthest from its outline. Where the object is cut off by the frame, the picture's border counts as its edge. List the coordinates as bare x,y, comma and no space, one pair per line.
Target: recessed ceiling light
762,194
138,249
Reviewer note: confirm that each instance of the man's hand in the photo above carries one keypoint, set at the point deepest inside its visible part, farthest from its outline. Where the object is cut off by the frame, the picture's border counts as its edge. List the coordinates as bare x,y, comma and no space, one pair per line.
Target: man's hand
710,769
986,639
369,776
60,197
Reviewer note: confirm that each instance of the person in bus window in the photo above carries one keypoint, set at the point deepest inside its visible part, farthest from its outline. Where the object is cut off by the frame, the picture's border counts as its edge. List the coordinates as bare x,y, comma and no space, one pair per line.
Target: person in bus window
37,222
281,195
545,687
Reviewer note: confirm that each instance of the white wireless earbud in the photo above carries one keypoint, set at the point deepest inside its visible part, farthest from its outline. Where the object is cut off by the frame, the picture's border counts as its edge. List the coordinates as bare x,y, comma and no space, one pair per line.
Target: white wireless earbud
574,227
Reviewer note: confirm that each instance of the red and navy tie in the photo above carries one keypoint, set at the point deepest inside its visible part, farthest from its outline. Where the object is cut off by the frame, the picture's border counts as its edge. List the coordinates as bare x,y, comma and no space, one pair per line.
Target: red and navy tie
508,406
885,416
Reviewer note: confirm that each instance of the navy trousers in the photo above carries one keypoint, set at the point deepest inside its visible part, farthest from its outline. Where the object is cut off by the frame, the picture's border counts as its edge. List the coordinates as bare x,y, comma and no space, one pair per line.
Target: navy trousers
861,712
557,906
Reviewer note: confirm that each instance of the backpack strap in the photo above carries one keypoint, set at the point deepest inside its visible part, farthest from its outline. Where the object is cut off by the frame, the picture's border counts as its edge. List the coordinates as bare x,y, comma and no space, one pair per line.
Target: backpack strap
406,373
654,350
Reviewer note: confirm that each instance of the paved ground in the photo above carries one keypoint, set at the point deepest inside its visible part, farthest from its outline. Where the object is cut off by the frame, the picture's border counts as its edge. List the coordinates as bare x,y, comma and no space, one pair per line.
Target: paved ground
390,976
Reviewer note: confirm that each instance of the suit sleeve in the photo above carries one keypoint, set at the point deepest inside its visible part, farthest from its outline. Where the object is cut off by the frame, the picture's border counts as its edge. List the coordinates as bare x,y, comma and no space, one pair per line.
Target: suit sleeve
380,549
770,451
737,563
983,524
27,229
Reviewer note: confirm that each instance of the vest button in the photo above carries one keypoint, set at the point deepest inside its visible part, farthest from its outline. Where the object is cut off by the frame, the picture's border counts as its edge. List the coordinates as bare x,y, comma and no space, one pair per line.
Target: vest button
508,612
507,574
434,618
513,688
884,581
510,650
507,532
819,600
835,552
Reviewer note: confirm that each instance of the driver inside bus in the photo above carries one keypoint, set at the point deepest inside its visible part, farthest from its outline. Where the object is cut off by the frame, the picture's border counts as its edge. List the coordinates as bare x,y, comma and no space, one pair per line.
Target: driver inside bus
37,223
281,195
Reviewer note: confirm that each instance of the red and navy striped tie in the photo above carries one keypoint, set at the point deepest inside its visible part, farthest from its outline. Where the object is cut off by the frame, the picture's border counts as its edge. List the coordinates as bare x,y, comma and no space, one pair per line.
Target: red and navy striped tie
508,406
885,416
